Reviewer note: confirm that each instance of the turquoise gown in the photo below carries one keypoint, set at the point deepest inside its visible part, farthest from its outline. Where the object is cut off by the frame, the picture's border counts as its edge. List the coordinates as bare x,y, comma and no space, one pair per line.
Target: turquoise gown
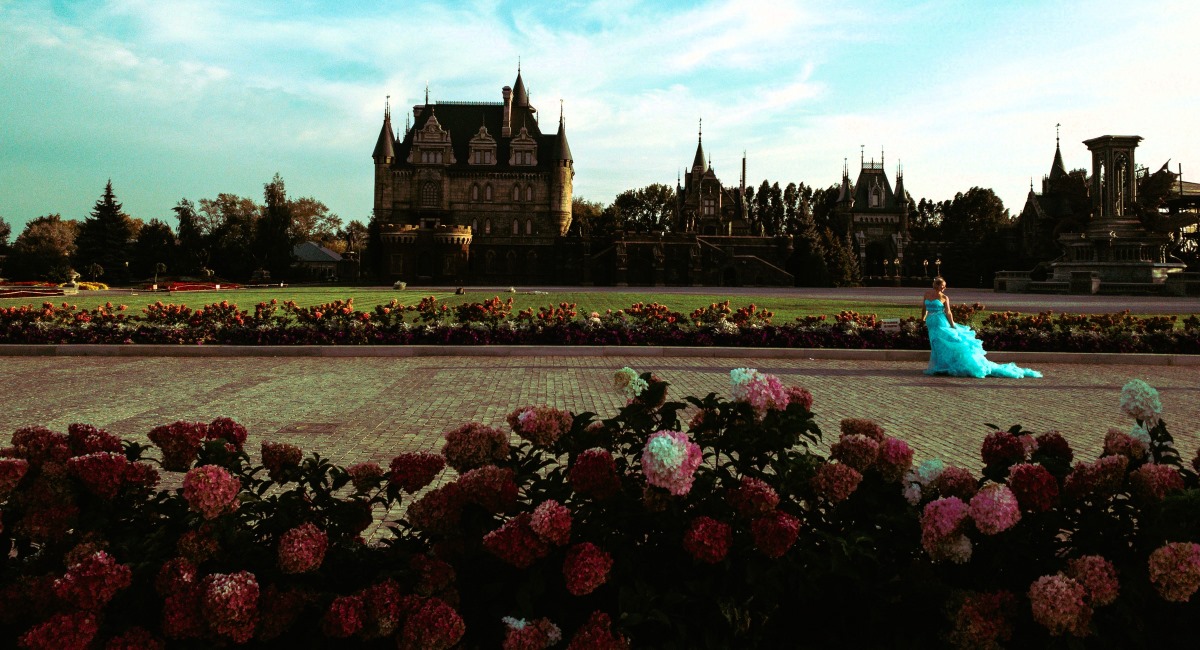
956,351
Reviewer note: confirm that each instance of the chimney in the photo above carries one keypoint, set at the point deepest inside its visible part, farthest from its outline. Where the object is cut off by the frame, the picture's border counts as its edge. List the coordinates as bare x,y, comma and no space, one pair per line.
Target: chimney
506,125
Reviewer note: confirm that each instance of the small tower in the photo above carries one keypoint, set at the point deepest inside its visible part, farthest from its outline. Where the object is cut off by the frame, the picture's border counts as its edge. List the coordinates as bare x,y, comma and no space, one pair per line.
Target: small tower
901,199
562,180
384,155
845,200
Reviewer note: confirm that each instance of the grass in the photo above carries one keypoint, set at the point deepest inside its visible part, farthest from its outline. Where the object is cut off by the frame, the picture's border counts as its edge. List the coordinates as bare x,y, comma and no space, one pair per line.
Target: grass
786,307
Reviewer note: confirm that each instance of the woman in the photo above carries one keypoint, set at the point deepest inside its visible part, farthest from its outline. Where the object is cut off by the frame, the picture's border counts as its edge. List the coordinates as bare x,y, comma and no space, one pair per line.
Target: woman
953,349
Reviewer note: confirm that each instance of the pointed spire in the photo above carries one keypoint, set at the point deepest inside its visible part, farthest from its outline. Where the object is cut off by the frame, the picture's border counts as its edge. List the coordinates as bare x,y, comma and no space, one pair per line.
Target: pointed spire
426,93
385,149
698,163
564,149
1057,168
520,95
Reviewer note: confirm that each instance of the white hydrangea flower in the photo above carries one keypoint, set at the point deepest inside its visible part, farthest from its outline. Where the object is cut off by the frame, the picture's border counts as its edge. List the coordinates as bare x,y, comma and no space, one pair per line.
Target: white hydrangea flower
1140,401
627,380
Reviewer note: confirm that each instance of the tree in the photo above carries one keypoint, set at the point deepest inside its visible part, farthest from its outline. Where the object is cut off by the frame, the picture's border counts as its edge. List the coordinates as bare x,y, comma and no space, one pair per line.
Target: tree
106,237
840,260
229,220
155,244
591,219
972,220
193,245
649,209
272,247
43,250
5,231
311,220
352,237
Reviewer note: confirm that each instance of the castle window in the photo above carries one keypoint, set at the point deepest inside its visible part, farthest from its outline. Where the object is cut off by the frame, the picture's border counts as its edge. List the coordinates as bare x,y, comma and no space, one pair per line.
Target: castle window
487,227
487,192
474,192
431,157
482,157
516,193
529,226
528,192
523,158
474,226
710,207
876,198
430,194
516,227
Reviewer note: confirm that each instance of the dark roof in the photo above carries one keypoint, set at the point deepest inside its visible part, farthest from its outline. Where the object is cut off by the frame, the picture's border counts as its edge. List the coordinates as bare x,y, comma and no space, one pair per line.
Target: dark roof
562,150
385,147
311,251
462,121
520,95
700,163
1057,169
867,177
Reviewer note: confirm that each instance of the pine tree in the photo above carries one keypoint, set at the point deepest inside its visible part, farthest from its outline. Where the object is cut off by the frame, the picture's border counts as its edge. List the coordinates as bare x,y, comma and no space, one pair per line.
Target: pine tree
106,238
840,260
272,241
193,253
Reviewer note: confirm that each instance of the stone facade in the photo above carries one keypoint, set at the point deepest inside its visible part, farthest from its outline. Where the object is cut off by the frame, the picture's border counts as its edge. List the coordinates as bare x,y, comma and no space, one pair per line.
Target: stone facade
877,216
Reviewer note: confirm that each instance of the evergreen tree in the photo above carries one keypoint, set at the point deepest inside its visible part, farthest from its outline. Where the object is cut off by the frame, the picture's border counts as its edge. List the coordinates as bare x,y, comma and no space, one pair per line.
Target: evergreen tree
273,244
106,238
811,268
840,260
193,250
5,231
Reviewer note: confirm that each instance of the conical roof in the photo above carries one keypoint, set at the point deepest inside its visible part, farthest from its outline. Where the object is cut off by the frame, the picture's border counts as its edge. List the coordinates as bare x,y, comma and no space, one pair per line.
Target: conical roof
700,163
520,95
562,148
1057,169
385,146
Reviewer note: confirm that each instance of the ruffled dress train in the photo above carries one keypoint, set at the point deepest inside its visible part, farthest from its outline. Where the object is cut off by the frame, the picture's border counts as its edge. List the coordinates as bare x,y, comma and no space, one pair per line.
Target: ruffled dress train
957,352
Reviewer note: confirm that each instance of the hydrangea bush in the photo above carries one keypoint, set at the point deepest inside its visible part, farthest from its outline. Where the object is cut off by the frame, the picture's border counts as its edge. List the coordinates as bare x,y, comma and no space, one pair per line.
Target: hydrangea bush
701,523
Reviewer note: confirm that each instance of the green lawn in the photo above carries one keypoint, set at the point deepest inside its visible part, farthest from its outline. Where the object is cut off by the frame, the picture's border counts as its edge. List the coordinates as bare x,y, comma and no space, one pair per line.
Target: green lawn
786,308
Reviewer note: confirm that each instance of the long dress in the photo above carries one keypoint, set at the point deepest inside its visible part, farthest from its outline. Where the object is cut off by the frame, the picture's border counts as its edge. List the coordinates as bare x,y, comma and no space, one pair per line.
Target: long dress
956,351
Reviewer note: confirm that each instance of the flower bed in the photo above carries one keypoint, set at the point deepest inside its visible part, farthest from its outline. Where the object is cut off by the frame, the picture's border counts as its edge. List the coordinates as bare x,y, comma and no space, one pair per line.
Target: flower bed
636,530
492,323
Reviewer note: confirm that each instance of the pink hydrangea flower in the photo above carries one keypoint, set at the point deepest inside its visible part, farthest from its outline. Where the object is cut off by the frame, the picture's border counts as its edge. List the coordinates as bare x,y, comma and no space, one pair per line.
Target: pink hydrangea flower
1141,402
73,631
861,427
174,576
226,429
995,509
984,620
585,568
941,526
955,482
708,540
279,457
533,635
180,443
761,391
801,396
39,445
439,511
344,617
752,498
474,445
432,574
230,602
594,474
775,533
1001,448
552,522
1098,576
489,487
670,460
92,582
433,625
1101,478
86,439
384,608
302,549
183,613
540,425
102,472
597,634
836,482
1052,445
1034,486
894,459
856,450
516,543
365,476
1153,482
135,638
211,490
12,470
412,471
1175,571
1058,603
1117,442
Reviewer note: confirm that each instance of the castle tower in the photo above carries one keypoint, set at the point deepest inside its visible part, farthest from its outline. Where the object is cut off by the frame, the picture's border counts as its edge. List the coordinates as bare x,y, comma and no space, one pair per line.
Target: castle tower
384,155
562,177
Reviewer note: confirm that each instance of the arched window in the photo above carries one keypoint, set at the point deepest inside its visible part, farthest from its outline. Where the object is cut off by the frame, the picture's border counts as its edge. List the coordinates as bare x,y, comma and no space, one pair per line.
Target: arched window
528,192
529,226
516,193
487,226
474,192
474,226
430,194
487,192
516,227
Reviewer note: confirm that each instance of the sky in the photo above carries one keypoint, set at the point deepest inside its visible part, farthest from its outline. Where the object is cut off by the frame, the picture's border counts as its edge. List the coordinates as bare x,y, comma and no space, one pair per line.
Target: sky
188,99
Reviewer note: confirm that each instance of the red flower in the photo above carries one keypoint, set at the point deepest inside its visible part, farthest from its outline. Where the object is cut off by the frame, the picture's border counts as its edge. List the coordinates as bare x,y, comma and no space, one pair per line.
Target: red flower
102,472
365,476
1152,482
1052,445
597,634
801,396
211,490
40,445
91,583
279,457
752,498
955,482
861,427
1001,448
856,450
490,488
433,626
230,602
708,540
87,439
183,615
174,576
474,445
413,471
516,543
594,474
12,470
302,549
540,425
895,459
73,631
1034,486
586,568
984,620
439,510
197,545
135,638
344,617
1100,478
180,443
552,522
228,430
836,482
775,533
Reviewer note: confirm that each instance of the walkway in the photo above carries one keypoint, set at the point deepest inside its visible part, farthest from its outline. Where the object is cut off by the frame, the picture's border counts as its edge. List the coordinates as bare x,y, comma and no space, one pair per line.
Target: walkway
356,409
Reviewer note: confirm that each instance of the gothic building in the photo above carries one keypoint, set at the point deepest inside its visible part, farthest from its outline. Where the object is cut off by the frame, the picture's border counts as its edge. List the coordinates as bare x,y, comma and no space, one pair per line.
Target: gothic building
475,192
1063,204
877,217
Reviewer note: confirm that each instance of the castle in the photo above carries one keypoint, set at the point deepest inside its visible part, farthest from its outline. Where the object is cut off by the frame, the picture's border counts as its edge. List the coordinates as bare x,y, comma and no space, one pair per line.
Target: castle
474,193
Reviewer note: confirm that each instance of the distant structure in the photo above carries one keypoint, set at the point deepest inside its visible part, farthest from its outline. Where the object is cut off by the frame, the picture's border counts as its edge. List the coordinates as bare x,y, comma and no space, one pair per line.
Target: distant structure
475,192
877,216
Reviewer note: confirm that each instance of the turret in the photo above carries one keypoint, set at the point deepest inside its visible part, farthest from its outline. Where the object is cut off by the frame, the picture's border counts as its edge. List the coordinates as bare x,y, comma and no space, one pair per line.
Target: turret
564,173
699,164
384,155
845,200
901,199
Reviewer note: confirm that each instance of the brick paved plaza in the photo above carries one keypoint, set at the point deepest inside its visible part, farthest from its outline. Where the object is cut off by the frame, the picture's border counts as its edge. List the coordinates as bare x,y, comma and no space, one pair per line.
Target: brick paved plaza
353,409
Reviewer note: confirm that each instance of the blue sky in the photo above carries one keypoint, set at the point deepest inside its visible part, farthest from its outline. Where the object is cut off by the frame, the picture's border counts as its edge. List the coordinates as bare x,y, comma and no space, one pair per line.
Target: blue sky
192,98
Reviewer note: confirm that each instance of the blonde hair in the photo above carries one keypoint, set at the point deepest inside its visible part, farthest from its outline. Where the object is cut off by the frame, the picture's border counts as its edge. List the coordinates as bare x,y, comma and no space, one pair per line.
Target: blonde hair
939,280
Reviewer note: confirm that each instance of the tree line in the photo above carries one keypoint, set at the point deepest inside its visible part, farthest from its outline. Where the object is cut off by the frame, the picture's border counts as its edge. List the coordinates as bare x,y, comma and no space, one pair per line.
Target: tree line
229,236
